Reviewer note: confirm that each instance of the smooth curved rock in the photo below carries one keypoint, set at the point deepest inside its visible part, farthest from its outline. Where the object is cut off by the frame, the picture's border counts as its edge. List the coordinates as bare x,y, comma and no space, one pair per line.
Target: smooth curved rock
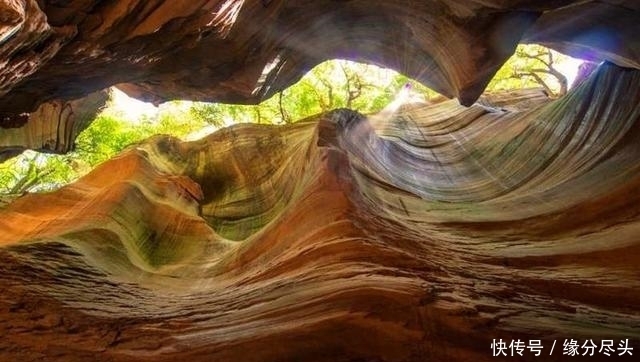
420,233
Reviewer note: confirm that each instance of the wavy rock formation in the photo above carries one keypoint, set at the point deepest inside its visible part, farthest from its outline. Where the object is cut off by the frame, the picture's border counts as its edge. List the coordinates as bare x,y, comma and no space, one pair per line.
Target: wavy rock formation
421,233
418,234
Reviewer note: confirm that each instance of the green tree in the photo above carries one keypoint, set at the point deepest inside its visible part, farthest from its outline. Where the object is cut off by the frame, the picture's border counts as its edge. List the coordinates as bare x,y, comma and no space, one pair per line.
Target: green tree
107,136
33,171
532,66
330,85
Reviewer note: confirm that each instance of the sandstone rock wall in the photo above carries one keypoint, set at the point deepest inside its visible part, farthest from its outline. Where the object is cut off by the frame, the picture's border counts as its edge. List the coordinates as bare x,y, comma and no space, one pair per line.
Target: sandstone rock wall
418,234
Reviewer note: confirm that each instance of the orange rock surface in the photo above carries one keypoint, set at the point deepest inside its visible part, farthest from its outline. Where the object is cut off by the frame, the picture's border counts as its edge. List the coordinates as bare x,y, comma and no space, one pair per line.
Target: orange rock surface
421,233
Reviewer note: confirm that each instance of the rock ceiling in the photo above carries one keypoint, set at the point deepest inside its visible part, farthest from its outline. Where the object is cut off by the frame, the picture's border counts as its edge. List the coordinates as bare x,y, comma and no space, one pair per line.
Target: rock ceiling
243,51
421,233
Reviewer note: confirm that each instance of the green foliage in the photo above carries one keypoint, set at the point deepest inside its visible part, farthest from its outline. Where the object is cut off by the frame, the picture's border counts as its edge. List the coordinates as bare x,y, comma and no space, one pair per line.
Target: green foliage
107,135
36,172
531,66
173,118
330,85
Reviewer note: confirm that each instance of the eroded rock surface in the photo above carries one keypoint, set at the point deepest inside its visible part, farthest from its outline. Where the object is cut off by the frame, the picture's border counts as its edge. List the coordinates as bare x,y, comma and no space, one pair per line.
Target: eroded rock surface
418,234
243,51
52,128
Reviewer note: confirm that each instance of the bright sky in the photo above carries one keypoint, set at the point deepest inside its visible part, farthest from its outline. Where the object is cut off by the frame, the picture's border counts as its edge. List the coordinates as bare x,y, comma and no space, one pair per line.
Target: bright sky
132,108
569,67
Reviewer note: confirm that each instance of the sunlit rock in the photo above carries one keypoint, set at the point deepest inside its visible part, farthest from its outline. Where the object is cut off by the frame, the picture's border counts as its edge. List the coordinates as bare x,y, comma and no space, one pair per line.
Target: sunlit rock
426,232
423,237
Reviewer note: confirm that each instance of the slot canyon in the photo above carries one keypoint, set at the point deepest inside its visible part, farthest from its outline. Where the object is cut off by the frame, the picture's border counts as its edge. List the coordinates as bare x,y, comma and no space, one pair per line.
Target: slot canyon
425,232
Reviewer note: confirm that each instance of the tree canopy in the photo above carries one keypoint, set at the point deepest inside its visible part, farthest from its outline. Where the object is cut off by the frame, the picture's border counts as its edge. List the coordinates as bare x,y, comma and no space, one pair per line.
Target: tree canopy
532,66
330,85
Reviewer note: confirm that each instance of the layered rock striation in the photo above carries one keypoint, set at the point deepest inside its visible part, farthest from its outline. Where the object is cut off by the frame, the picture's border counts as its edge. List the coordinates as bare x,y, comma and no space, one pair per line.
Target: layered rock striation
423,232
420,233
